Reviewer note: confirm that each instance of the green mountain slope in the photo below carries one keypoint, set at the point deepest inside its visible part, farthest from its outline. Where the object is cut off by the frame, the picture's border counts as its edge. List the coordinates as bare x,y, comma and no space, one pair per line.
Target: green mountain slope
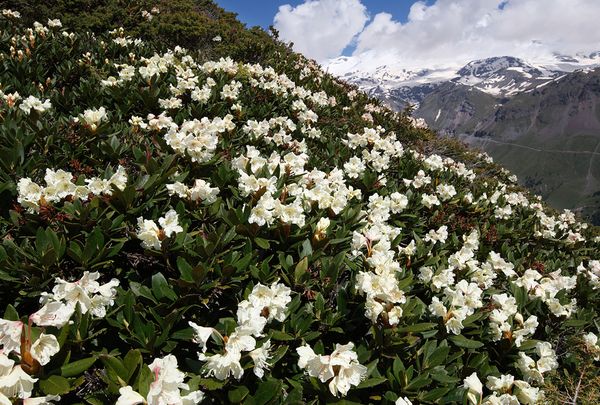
549,137
456,109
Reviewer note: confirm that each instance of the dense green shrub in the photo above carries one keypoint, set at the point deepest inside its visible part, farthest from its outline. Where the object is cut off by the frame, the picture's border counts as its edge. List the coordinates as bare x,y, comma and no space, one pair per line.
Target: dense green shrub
192,24
173,227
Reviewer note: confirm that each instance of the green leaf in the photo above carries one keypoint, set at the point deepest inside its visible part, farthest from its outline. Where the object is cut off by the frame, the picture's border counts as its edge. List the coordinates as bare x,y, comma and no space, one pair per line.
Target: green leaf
278,354
115,366
185,270
419,382
142,291
461,341
301,270
132,361
10,313
55,385
77,367
372,382
437,357
211,384
161,289
306,249
143,381
417,327
267,390
434,394
279,335
397,366
529,344
237,395
262,243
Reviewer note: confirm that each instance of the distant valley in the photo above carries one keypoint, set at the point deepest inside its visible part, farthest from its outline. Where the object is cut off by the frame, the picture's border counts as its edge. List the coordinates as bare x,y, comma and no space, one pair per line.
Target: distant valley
540,120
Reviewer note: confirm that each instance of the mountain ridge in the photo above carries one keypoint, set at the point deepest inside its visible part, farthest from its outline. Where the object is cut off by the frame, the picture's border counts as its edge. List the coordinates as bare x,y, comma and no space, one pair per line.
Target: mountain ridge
500,76
539,119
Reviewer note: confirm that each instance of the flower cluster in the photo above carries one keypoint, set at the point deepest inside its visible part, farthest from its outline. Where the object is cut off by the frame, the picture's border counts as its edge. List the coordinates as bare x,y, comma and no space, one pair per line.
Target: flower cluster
86,293
200,191
60,185
16,384
591,344
341,368
16,338
59,306
92,118
263,305
152,236
592,272
533,370
164,389
549,288
36,104
199,138
505,390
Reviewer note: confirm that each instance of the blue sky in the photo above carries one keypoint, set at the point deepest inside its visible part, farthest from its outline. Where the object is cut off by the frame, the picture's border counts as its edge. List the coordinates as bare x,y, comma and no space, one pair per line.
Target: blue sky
436,34
261,12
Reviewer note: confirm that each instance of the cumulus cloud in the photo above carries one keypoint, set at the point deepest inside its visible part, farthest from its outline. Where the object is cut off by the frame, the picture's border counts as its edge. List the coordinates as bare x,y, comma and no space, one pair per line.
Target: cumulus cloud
448,31
451,33
321,29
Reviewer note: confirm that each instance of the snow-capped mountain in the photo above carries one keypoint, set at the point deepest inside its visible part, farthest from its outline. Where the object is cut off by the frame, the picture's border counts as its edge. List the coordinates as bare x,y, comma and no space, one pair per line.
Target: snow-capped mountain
501,77
539,118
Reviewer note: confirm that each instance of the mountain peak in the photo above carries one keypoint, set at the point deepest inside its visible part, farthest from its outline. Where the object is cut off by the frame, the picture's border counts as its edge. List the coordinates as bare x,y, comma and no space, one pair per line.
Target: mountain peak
484,68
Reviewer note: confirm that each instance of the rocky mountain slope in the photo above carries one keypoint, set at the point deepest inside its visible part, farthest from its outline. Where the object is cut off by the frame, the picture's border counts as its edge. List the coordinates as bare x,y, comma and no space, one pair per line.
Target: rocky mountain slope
549,136
540,120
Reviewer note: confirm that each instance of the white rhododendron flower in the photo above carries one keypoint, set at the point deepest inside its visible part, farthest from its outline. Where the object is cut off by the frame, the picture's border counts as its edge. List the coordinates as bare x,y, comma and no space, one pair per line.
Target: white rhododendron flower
35,104
474,389
149,233
152,236
60,185
201,191
170,223
44,348
201,335
129,397
10,336
259,357
14,382
30,194
46,400
53,313
533,370
221,366
54,23
164,389
591,344
87,292
94,117
264,304
341,368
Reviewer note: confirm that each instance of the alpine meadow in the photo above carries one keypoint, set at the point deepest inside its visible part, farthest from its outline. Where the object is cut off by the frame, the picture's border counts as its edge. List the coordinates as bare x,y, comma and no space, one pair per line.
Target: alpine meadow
191,212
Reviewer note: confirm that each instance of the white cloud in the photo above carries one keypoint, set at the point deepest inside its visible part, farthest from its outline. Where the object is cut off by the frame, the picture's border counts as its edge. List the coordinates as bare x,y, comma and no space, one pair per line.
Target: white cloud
321,29
451,32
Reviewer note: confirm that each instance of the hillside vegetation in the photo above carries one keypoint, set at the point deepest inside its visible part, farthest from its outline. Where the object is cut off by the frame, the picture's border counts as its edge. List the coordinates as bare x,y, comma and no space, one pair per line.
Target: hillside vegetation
549,137
181,227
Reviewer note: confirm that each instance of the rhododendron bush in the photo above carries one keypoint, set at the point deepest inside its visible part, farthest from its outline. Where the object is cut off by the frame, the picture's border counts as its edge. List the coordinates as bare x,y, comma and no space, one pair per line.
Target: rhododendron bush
177,231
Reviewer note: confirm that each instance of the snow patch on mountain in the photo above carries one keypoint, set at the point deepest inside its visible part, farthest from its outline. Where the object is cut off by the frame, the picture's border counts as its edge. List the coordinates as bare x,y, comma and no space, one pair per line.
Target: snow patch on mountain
501,77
